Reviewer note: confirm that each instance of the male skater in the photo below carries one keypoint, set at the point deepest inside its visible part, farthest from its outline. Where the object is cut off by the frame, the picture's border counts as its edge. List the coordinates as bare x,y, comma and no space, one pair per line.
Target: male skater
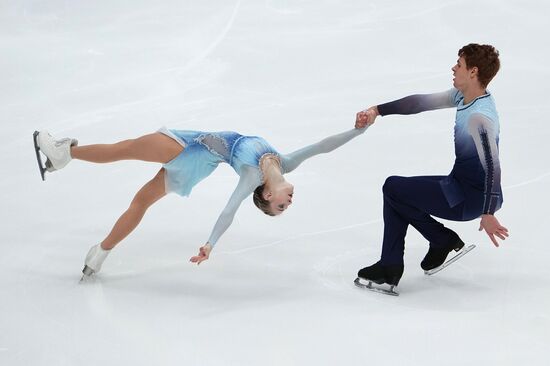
471,190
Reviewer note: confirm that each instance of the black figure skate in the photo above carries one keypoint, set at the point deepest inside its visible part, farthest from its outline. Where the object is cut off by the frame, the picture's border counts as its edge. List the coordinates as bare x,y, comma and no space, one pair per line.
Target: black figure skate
380,274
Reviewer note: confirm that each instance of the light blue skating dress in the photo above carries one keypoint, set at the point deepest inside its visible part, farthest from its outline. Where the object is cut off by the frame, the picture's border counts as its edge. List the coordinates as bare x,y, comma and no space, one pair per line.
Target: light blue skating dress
204,151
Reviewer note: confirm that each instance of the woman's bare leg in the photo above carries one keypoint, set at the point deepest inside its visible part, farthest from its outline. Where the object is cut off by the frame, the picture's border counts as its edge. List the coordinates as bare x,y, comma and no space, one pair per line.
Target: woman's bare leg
146,196
155,147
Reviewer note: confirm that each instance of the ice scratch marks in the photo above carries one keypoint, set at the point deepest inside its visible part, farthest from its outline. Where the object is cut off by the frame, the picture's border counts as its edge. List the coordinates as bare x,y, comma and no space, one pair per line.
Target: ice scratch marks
216,42
329,271
304,235
530,181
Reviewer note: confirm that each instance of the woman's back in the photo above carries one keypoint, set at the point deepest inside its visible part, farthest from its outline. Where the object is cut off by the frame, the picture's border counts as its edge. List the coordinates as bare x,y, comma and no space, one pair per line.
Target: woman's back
205,150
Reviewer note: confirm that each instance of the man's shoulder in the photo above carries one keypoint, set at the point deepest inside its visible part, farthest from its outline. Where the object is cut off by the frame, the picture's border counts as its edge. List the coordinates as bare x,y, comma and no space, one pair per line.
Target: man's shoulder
487,103
486,107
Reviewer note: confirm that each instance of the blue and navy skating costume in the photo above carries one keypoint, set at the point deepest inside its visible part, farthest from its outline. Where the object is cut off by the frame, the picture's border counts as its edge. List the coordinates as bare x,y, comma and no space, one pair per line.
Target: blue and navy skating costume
470,190
204,151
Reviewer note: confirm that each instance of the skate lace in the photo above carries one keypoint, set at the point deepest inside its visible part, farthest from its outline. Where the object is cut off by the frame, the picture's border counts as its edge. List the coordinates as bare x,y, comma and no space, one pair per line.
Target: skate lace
65,140
61,142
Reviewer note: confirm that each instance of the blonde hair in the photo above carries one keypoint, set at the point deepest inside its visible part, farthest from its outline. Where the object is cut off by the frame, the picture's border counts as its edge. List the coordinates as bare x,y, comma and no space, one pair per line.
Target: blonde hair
260,201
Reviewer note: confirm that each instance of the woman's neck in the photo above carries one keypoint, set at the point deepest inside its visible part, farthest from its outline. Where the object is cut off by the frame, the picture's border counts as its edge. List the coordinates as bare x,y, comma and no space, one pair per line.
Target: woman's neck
271,169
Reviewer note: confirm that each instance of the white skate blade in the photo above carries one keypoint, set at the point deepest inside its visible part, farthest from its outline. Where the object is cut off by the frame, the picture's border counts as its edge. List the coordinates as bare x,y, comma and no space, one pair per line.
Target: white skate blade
370,287
460,254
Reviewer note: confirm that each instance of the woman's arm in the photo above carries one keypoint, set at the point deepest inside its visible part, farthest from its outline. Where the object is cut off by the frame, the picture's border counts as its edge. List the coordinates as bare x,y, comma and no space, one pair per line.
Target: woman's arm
292,160
247,183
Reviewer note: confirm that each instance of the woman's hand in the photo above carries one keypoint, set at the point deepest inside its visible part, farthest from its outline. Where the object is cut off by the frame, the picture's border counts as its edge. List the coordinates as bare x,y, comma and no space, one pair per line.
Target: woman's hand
366,118
204,253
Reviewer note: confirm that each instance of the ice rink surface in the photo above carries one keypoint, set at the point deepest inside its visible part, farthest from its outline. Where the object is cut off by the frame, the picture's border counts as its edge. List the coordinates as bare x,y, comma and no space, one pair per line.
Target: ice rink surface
276,291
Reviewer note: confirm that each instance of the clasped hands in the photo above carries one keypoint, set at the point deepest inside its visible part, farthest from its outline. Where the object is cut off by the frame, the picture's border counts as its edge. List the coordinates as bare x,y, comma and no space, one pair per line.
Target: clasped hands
366,118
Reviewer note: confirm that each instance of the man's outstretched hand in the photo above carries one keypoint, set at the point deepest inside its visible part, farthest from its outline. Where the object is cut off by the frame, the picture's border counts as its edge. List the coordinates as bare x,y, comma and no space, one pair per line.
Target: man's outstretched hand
493,228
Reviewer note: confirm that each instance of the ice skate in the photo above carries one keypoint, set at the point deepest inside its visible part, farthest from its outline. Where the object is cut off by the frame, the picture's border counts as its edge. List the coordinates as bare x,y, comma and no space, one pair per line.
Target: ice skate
94,259
57,152
436,255
380,274
436,261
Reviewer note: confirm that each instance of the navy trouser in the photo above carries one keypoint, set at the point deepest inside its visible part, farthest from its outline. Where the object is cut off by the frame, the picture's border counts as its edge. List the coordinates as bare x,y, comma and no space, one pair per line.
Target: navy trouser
411,200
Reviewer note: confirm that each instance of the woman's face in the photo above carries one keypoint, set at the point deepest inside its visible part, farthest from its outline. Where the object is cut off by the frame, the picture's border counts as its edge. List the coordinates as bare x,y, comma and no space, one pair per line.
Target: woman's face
280,198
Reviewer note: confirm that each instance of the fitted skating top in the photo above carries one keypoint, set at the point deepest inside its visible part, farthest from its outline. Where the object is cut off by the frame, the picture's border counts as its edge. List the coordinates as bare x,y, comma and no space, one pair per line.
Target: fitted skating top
204,151
476,138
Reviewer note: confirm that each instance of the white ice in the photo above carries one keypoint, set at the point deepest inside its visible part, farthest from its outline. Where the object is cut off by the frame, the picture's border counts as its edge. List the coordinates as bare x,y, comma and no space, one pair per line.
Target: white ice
275,291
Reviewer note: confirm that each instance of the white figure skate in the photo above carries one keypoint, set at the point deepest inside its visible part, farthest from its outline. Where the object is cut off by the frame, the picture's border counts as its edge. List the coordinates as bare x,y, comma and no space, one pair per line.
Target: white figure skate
57,152
94,259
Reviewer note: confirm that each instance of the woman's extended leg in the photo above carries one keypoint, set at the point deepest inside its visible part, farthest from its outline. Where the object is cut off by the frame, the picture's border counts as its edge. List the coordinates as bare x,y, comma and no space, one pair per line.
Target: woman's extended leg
150,193
155,147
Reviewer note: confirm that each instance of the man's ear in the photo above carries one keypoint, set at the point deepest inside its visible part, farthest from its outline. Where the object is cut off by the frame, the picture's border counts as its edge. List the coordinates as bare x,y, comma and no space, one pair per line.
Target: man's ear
473,71
267,195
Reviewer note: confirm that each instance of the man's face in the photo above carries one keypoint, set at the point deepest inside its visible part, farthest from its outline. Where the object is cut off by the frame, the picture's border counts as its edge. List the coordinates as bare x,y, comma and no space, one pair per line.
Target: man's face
461,74
463,77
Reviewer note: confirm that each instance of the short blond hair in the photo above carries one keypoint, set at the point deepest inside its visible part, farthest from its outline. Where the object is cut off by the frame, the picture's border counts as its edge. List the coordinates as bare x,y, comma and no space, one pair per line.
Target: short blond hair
260,201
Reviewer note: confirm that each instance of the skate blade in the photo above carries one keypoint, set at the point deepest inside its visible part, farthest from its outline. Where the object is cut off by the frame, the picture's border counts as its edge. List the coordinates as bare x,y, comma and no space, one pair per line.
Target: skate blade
87,274
460,254
87,279
41,166
370,287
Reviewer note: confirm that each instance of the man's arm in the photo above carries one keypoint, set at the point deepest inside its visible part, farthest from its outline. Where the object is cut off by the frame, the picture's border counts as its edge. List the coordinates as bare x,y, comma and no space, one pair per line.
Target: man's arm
411,104
483,132
418,103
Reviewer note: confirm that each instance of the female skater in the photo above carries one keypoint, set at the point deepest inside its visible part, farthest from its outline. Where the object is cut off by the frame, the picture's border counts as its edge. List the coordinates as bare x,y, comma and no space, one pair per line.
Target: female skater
188,157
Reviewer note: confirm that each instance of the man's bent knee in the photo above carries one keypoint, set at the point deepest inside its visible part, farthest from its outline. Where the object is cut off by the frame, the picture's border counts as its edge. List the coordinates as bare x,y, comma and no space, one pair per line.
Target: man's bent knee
392,185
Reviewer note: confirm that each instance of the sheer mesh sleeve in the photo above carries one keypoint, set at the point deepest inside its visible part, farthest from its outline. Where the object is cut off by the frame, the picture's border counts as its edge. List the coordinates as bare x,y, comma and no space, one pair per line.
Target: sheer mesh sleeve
292,160
420,103
484,134
248,181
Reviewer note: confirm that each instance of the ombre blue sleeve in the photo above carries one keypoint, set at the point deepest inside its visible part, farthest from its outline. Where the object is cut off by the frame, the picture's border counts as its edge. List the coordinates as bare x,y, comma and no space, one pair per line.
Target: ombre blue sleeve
420,103
247,183
484,133
292,160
